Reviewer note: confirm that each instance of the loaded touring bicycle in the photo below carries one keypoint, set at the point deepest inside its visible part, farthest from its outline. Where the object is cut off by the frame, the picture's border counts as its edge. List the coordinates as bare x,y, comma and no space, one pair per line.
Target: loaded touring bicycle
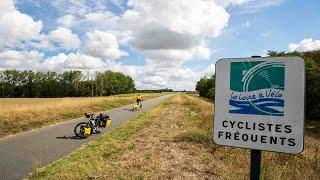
85,129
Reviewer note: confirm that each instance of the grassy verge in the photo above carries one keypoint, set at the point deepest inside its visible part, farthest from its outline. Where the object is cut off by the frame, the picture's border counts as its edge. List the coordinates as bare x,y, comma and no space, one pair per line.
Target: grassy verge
174,141
94,159
22,114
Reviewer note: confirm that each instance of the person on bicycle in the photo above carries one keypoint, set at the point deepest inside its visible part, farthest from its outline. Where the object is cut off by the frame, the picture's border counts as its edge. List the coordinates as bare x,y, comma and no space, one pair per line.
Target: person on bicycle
139,100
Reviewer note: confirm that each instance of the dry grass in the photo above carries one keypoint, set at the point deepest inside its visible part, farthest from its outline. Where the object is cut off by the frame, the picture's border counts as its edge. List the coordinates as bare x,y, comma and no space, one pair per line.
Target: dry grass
174,141
22,114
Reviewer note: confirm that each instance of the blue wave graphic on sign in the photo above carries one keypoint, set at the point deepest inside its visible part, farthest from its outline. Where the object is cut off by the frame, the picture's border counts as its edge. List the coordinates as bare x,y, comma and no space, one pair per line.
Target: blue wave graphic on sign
265,106
257,88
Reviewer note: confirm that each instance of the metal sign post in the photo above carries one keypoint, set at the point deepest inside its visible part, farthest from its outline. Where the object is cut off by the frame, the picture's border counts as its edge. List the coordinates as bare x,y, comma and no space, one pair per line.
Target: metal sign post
259,105
255,163
255,158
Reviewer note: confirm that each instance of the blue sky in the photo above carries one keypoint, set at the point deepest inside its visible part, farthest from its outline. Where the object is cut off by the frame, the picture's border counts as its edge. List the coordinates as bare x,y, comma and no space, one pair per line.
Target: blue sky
271,28
159,43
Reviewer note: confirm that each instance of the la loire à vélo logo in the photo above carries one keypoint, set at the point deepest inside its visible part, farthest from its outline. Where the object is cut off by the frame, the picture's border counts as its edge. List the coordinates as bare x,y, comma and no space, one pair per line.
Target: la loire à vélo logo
257,88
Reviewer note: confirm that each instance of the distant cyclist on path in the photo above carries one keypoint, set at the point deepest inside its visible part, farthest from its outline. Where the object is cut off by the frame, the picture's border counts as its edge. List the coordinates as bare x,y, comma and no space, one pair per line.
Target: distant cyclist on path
139,100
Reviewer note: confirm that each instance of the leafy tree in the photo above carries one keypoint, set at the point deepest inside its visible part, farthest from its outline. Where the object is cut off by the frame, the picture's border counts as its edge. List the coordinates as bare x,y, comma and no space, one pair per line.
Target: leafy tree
206,87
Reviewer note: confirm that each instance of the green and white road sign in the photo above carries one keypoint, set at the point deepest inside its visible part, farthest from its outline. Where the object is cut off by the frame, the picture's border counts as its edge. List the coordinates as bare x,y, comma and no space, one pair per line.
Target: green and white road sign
260,103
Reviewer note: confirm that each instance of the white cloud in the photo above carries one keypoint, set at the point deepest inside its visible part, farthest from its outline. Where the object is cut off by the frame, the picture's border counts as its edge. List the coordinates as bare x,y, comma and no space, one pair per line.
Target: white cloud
170,33
154,77
11,59
305,45
123,36
64,37
74,7
253,6
157,37
181,16
172,56
53,63
131,70
83,62
16,28
67,20
86,15
105,18
210,70
73,61
60,38
103,45
6,6
226,3
101,20
42,43
202,52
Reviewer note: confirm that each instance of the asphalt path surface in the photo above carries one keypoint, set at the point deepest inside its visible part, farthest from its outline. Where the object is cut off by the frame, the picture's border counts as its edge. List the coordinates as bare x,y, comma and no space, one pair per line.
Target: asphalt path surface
21,153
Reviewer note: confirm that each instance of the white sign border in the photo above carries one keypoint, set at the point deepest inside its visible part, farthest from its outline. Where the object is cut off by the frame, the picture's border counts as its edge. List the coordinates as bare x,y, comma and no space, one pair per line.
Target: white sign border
248,59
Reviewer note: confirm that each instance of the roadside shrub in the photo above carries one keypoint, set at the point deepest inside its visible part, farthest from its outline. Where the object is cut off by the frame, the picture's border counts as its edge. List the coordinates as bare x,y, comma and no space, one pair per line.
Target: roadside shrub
205,87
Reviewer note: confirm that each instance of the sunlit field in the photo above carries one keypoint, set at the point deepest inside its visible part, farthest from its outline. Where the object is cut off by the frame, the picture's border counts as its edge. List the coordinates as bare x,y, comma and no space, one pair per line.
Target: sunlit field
22,114
174,141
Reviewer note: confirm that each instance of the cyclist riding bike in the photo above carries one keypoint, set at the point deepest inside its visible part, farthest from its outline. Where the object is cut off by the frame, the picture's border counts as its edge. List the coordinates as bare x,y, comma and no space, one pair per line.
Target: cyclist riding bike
139,100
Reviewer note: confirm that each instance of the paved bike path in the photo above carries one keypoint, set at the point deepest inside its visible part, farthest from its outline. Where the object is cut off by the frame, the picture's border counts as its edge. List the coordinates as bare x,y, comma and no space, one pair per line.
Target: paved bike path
21,153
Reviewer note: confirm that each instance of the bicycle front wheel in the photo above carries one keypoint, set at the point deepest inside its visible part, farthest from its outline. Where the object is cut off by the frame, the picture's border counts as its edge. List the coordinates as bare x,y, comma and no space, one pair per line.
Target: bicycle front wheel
79,129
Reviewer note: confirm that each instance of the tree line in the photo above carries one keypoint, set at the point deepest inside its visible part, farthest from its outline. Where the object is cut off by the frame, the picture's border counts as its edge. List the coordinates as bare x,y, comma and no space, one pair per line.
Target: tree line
15,83
206,85
155,90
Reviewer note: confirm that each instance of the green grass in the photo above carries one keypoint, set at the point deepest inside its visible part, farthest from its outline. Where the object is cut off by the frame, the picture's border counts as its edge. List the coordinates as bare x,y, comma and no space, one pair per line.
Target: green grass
194,135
